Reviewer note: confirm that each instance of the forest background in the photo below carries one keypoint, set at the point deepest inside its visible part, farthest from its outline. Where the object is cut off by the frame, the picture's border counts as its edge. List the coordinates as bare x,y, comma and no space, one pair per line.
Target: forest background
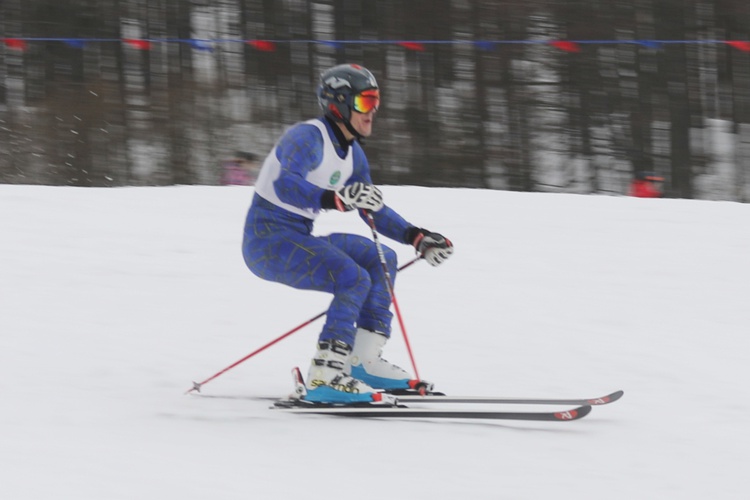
539,95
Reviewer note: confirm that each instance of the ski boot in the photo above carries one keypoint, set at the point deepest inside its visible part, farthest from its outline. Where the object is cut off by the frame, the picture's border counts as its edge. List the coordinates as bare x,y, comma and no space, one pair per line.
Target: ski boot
368,365
328,381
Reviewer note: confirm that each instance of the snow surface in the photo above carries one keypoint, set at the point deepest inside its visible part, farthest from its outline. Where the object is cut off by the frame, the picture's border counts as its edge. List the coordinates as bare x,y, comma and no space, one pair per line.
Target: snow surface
112,301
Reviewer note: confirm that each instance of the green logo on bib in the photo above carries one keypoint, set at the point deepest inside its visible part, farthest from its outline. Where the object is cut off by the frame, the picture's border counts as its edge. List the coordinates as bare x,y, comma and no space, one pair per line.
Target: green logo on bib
335,178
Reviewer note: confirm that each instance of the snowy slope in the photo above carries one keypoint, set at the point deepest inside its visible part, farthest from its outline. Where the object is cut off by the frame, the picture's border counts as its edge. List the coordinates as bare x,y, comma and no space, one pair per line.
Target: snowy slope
113,300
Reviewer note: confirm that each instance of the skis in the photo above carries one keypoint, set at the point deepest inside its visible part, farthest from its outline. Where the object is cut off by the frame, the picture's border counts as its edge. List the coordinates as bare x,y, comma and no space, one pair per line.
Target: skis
393,406
404,412
603,400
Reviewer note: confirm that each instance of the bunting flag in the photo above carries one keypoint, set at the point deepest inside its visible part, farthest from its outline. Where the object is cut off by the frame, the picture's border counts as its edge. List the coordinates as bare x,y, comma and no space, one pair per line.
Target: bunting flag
16,43
739,44
573,46
74,43
415,46
335,45
201,45
138,43
486,46
651,44
262,45
566,45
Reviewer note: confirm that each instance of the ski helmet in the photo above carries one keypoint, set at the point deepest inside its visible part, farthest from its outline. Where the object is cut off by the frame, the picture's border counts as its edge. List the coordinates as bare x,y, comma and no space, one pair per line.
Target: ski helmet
347,87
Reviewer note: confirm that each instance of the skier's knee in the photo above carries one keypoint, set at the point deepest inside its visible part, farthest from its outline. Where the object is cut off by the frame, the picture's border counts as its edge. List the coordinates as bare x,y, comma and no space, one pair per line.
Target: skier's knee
353,279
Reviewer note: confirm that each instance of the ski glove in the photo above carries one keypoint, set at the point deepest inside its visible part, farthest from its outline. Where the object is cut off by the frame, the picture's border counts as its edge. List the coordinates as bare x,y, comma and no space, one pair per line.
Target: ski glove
359,195
433,247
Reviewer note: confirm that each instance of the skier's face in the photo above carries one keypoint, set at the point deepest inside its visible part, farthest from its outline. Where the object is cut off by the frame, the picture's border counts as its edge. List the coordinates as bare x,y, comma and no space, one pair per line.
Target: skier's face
362,122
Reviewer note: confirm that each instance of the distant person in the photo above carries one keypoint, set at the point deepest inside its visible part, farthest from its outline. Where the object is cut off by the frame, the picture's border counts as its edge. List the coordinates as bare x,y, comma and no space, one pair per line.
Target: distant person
319,165
240,170
646,185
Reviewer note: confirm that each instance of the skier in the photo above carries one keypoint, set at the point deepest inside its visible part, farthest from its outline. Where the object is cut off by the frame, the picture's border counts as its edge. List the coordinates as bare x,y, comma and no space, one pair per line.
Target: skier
319,165
646,185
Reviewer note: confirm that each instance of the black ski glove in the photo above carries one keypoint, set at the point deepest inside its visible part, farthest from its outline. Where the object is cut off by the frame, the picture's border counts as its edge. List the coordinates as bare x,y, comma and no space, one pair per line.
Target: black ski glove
433,247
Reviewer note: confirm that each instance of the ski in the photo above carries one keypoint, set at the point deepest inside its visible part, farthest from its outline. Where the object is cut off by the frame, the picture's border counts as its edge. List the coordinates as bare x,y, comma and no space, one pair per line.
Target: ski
430,398
404,412
392,406
435,398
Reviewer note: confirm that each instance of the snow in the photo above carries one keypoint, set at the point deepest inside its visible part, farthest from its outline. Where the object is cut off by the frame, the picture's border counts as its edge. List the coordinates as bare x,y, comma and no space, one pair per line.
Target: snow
114,300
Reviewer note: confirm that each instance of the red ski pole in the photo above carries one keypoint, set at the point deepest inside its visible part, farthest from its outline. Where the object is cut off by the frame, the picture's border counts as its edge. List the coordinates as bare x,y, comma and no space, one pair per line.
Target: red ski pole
389,281
197,385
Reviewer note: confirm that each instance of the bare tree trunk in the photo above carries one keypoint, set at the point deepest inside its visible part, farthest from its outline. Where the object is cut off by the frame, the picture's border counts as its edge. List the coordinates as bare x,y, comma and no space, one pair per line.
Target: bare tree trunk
670,19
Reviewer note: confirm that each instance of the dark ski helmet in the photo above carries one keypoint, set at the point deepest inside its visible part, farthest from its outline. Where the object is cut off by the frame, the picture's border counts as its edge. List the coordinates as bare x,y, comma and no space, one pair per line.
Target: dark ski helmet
340,91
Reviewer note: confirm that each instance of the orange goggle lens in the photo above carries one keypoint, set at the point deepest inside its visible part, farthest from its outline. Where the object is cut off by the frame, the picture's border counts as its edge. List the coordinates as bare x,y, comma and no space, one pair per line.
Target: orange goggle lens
367,101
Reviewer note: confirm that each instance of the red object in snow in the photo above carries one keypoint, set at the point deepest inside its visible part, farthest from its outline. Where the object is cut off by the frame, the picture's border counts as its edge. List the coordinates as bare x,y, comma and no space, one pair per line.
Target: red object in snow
644,188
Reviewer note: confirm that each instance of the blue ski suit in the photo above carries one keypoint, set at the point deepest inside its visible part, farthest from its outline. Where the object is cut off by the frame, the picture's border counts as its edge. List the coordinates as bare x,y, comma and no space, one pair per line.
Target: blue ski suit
311,158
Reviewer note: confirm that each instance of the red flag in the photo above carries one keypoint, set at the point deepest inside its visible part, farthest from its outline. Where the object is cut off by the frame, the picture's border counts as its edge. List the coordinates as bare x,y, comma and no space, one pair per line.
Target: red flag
138,43
739,44
419,47
566,45
262,45
16,44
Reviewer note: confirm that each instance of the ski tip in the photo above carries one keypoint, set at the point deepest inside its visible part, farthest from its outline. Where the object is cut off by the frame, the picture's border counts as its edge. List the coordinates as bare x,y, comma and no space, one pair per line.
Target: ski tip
610,398
574,414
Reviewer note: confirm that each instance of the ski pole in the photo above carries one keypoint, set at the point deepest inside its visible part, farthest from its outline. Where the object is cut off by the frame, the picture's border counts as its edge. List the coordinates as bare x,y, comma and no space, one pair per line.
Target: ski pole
197,385
389,282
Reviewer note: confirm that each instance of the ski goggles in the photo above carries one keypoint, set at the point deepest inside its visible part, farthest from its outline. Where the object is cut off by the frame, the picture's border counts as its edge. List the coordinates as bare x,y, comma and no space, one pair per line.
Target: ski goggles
366,101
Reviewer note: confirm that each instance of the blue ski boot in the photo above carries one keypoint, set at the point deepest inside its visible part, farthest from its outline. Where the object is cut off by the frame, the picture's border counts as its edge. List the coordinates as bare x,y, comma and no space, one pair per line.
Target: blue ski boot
368,365
328,380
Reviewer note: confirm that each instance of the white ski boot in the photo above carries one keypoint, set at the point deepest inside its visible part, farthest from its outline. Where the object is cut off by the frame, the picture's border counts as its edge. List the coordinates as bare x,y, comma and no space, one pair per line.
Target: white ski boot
328,380
368,365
